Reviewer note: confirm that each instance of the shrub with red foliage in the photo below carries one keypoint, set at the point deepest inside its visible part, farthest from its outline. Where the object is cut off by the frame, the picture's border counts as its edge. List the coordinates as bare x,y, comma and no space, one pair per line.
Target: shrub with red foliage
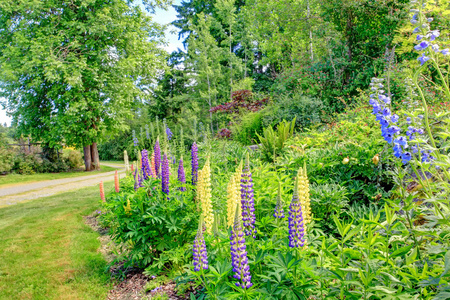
224,133
242,99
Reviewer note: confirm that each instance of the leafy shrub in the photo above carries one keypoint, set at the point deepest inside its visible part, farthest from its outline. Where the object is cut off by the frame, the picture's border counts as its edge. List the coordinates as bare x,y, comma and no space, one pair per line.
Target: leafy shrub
306,110
327,200
27,163
74,159
272,142
153,229
6,160
247,129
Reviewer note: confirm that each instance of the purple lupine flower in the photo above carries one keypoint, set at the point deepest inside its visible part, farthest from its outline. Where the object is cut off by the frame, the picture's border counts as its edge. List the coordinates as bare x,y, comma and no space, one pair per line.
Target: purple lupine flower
296,228
445,51
146,170
157,151
165,174
279,211
169,133
434,34
135,140
248,201
199,249
181,175
239,259
194,162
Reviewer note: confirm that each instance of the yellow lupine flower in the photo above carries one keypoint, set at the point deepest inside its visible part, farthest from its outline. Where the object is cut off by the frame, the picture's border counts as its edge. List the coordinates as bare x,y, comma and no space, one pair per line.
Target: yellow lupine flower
204,195
128,208
303,193
233,194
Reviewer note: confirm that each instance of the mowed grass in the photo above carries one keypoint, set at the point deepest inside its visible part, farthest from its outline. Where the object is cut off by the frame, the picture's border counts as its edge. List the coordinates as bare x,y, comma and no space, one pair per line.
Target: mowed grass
11,179
47,252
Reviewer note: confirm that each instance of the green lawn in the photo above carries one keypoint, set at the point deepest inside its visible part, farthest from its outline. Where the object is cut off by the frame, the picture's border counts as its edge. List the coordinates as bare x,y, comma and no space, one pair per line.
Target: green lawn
18,178
114,162
47,252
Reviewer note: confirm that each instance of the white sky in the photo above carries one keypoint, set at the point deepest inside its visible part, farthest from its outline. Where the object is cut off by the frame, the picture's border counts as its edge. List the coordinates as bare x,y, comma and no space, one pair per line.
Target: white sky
162,17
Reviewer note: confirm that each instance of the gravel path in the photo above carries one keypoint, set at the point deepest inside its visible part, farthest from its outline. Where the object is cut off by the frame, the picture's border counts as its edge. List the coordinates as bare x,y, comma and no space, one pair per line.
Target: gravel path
30,191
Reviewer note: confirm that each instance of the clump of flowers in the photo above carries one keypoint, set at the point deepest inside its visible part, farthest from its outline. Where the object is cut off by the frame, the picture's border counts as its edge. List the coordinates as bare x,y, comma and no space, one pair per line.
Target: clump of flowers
233,194
279,211
194,162
157,152
116,181
102,192
204,195
248,200
199,249
165,175
296,226
239,259
181,175
146,170
303,194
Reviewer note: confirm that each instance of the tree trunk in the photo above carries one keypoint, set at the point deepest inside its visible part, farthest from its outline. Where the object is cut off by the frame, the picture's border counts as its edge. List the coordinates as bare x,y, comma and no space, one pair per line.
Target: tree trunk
95,157
87,157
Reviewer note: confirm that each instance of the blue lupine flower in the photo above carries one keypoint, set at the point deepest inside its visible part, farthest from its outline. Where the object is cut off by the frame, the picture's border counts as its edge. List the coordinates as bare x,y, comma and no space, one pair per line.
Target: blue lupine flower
423,59
422,46
296,227
248,201
394,129
406,157
401,141
408,120
199,250
416,30
435,47
394,118
165,175
386,111
397,151
445,51
419,37
434,34
429,20
239,259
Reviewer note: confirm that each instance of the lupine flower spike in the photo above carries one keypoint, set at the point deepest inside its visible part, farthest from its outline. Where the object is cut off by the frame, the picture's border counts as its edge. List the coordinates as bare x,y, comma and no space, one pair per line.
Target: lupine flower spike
204,195
303,193
296,229
132,167
153,167
239,259
116,181
279,211
181,175
157,153
102,192
233,195
165,175
248,200
199,249
194,162
146,170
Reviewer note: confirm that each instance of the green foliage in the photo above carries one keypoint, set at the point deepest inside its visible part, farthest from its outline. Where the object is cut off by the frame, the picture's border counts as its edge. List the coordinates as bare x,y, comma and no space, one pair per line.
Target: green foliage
152,229
6,160
68,72
307,111
74,159
249,126
328,200
272,142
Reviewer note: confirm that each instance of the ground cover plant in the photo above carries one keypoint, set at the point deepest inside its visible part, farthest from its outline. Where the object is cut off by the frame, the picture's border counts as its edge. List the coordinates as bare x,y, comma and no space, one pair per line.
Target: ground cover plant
47,252
358,209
